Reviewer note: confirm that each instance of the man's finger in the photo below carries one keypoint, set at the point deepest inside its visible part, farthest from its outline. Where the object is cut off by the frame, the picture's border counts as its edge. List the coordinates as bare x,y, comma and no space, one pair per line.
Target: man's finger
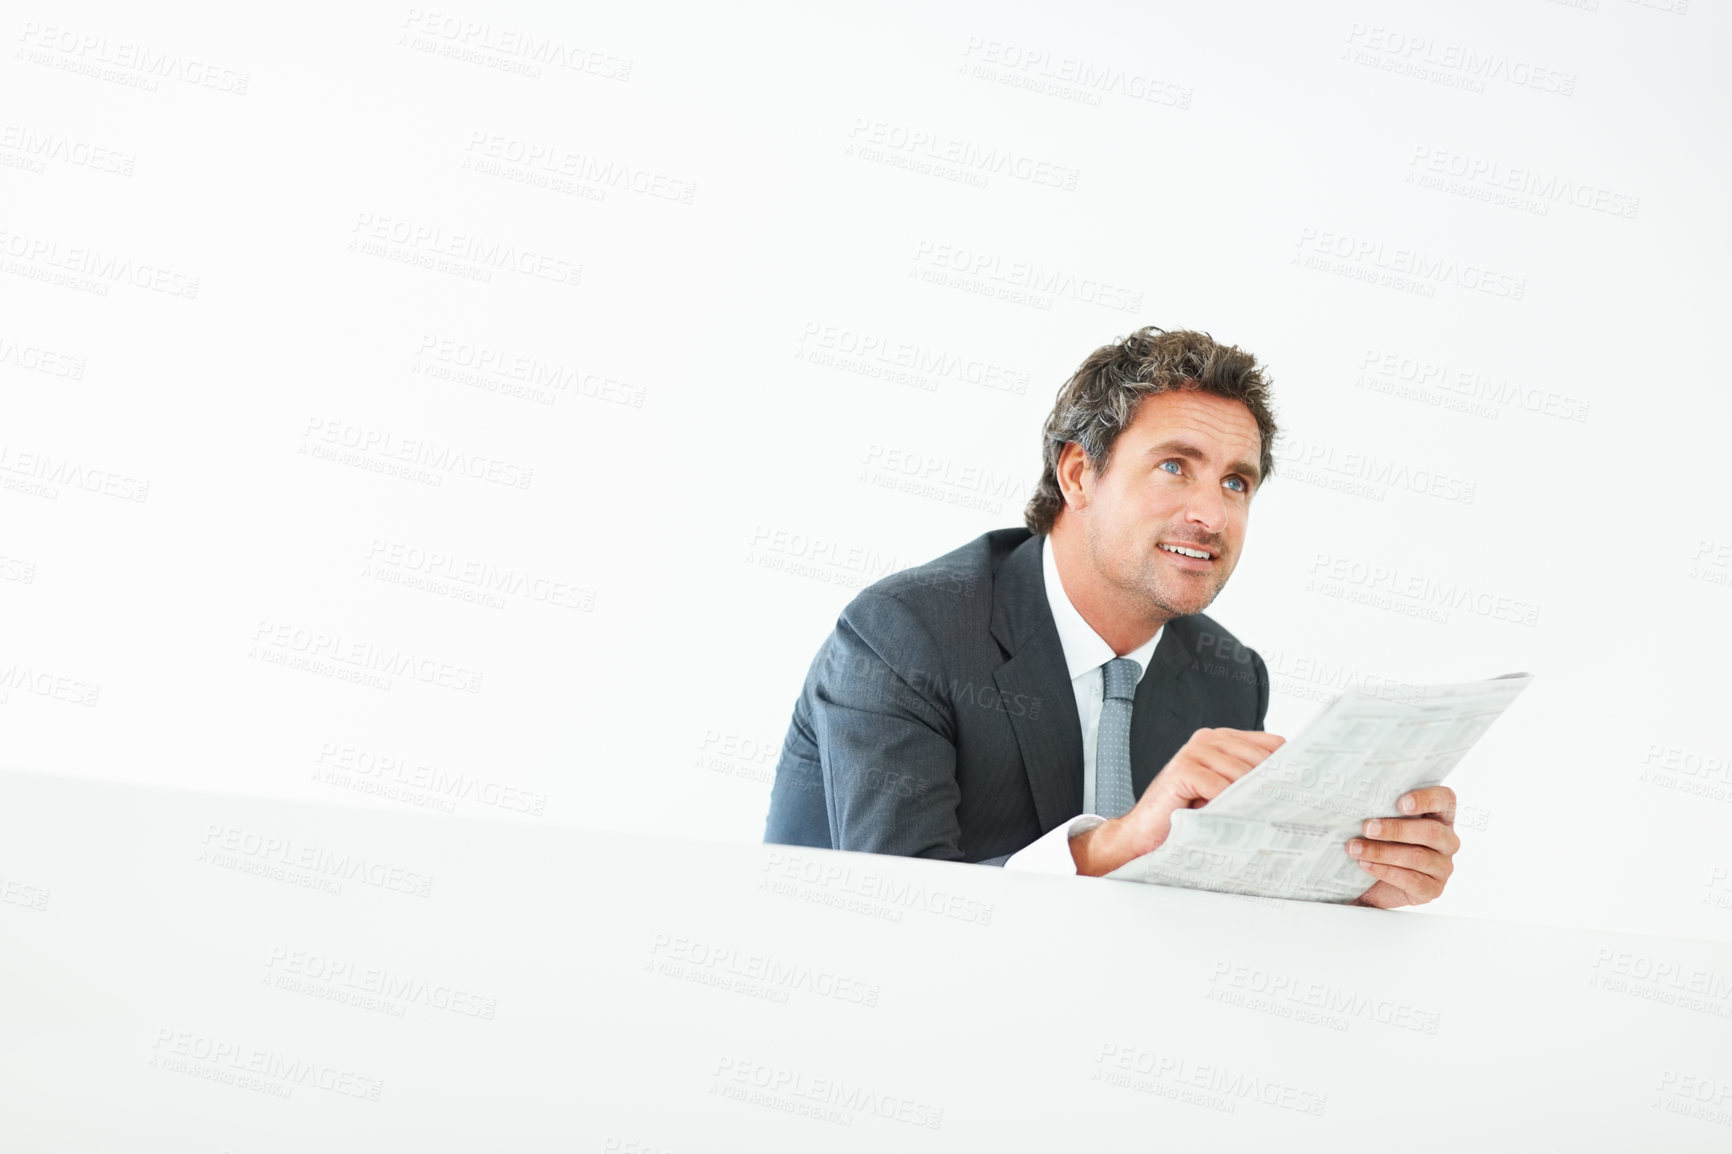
1417,886
1229,757
1417,858
1267,742
1415,831
1199,782
1434,801
1382,896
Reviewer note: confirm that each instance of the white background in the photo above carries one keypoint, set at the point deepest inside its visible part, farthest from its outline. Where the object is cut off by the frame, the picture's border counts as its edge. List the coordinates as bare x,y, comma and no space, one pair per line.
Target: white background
770,212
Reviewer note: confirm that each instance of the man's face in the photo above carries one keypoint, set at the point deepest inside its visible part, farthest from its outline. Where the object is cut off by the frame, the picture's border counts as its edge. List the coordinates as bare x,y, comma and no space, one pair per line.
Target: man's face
1181,474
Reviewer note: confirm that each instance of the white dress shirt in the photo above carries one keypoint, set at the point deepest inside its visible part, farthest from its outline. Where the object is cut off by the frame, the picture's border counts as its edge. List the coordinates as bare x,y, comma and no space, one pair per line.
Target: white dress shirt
1084,654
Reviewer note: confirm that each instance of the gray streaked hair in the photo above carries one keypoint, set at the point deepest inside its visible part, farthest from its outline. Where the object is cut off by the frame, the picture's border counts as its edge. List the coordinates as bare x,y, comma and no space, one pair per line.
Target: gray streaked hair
1101,399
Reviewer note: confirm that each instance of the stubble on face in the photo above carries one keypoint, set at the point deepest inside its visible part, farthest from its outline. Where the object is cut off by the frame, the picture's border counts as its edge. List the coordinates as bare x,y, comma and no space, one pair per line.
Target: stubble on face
1136,570
1123,545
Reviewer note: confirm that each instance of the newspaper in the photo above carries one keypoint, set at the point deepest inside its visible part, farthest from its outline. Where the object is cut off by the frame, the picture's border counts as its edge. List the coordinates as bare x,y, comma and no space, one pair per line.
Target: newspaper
1282,829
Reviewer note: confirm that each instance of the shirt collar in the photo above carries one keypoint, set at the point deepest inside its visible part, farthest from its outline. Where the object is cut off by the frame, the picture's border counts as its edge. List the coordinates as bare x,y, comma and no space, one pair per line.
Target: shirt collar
1084,649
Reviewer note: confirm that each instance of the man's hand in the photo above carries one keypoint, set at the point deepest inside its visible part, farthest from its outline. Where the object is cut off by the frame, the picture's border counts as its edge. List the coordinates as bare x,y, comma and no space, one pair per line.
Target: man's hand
1212,760
1411,856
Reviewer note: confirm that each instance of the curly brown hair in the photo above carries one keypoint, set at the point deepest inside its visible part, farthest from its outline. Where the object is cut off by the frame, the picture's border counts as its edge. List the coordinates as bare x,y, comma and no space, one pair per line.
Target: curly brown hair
1101,398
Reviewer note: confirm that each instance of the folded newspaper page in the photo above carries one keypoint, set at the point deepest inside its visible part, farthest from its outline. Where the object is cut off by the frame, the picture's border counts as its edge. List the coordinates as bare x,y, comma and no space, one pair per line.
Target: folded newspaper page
1282,829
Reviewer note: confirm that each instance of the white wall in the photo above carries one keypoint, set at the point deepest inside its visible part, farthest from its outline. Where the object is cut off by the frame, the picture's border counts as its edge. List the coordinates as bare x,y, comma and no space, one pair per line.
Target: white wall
1481,247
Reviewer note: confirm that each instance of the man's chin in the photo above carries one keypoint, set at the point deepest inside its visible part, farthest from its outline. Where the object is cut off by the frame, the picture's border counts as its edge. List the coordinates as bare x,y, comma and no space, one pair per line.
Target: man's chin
1183,589
1183,603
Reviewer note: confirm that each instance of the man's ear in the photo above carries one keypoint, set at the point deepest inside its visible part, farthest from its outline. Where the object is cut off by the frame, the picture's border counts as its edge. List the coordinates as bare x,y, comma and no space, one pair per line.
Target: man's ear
1075,476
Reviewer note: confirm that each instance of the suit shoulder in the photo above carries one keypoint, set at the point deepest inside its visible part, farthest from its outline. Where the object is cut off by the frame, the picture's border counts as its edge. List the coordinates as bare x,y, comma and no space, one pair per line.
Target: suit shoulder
946,603
950,583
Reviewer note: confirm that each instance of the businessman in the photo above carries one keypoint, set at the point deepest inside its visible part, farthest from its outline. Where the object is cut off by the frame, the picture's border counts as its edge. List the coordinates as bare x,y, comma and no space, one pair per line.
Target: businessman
1046,698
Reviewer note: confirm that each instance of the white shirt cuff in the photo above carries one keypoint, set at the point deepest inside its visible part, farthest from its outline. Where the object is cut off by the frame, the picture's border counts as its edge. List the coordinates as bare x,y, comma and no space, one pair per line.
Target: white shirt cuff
1050,853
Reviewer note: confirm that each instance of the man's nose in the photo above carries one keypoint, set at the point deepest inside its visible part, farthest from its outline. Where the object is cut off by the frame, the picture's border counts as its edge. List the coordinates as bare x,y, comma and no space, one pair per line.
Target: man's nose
1208,509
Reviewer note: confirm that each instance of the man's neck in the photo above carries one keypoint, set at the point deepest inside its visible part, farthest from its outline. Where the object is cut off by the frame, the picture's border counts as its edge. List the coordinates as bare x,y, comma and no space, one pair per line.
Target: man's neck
1122,622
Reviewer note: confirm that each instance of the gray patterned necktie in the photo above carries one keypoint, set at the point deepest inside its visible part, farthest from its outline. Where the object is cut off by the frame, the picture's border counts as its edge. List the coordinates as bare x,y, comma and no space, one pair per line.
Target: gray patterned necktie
1113,797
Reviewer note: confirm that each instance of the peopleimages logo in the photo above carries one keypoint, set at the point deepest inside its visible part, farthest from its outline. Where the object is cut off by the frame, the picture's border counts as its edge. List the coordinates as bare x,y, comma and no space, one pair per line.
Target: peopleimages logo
233,1063
1290,994
1066,77
1399,267
226,846
36,149
1344,471
36,359
829,1099
385,445
1666,979
525,50
1019,282
480,577
443,251
1518,181
281,643
45,683
944,479
386,774
90,269
1387,585
712,963
1197,1083
806,878
340,979
1467,390
140,66
519,374
539,162
883,141
1457,65
30,897
45,474
912,363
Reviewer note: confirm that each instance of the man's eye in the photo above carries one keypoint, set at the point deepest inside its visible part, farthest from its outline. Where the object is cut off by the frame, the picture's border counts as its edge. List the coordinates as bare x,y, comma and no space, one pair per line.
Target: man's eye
1239,481
1164,464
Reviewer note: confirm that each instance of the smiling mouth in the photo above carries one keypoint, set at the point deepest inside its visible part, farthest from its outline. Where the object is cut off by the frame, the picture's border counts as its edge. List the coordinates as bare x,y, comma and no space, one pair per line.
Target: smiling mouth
1188,551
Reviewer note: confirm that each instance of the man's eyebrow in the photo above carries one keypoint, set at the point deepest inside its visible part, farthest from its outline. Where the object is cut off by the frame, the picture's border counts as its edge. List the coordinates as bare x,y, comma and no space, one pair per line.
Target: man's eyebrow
1191,452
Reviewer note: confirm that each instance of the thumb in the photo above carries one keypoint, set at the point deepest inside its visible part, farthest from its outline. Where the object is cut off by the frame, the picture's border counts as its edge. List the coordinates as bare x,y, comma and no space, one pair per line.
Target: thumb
1151,820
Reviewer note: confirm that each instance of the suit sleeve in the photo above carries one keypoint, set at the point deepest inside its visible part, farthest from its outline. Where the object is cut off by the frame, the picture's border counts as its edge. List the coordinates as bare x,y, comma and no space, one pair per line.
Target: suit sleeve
1262,672
886,743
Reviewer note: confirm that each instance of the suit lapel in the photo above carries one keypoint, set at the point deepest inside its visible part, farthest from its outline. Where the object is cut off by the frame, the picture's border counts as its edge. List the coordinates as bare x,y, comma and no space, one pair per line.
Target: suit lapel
1050,738
1049,733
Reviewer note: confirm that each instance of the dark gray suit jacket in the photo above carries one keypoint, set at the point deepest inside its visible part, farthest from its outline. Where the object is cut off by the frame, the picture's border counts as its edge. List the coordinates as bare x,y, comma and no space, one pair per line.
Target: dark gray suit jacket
938,719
